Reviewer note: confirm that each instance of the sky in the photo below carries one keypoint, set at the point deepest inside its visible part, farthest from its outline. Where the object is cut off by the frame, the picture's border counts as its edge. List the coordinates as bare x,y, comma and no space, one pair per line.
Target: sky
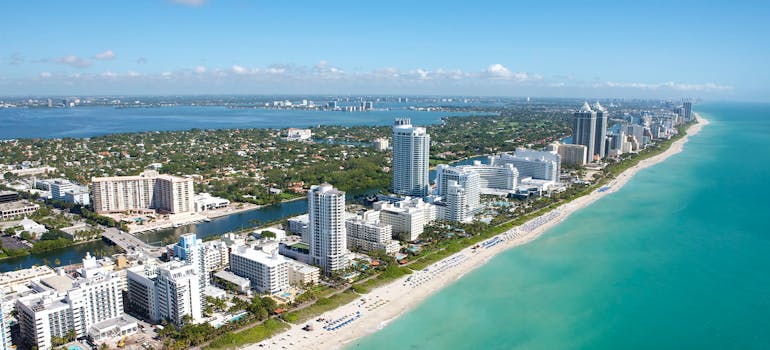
648,49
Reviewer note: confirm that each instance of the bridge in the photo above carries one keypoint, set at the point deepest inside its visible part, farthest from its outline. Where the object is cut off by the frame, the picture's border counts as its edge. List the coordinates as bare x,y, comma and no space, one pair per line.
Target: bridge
129,242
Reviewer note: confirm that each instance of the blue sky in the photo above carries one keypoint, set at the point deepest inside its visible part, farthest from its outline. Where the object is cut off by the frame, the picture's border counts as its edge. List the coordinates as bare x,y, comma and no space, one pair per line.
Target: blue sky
545,48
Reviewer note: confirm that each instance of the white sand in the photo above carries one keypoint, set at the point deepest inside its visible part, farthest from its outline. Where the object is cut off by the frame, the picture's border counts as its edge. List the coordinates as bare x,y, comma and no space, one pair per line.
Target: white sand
401,295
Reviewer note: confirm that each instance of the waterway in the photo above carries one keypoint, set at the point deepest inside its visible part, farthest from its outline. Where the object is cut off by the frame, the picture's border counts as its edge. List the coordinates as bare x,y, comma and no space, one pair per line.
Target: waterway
216,227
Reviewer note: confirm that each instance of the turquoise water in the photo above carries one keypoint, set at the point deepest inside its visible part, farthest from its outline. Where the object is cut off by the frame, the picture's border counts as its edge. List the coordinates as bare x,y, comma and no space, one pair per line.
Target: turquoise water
677,259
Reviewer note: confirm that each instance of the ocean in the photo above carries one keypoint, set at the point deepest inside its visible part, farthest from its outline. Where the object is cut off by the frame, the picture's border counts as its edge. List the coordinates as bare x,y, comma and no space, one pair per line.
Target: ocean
679,258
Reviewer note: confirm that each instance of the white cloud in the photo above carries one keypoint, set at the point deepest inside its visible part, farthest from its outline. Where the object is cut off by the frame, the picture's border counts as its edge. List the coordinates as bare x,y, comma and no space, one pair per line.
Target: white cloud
238,69
193,3
45,75
667,85
105,56
501,72
200,69
73,61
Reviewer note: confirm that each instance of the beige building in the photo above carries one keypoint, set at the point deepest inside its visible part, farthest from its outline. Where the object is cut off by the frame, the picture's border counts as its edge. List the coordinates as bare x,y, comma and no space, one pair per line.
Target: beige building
572,154
148,190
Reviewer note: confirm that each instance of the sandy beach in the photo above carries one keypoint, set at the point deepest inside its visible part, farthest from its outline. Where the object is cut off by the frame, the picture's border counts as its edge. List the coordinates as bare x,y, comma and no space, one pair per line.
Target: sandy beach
376,309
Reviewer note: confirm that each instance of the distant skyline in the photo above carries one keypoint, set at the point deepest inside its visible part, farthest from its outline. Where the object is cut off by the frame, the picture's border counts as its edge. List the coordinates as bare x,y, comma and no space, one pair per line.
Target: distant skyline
545,49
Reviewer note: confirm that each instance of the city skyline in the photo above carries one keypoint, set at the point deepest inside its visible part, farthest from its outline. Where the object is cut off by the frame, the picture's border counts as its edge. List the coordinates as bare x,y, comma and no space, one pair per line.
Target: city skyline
554,49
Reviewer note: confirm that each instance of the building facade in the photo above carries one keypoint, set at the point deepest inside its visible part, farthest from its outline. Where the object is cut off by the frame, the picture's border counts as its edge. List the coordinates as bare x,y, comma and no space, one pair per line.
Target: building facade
411,154
328,241
541,165
584,129
267,272
149,190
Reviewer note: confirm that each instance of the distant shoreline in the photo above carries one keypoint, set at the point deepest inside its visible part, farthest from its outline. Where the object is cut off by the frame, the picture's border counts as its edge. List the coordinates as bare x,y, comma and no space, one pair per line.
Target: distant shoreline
401,297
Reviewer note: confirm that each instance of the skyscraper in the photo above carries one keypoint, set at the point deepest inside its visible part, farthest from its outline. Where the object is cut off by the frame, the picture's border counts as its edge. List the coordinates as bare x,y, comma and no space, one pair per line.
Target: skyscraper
687,111
601,131
328,242
411,152
584,129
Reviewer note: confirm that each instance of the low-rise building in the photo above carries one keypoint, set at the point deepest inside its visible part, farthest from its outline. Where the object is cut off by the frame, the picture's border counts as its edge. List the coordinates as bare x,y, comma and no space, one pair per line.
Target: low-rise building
17,209
301,274
205,201
369,234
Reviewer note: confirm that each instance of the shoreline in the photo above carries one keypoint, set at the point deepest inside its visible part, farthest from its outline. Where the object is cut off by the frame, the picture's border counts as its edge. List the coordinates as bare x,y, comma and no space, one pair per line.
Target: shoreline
386,303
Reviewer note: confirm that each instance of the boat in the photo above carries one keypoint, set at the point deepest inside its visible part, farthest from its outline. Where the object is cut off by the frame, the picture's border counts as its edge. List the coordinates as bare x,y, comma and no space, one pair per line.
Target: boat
206,219
176,225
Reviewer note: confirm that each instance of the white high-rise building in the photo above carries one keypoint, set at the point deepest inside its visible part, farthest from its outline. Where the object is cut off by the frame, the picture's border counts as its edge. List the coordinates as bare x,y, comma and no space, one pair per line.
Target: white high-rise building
456,199
411,154
5,332
328,241
179,293
190,250
367,233
494,178
268,272
170,291
406,218
468,179
584,129
148,190
69,304
540,165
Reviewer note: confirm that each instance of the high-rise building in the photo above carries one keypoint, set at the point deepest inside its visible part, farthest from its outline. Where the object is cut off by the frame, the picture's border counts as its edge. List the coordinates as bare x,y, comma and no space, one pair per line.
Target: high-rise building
190,249
600,134
5,331
456,199
268,272
572,154
328,241
178,292
584,129
168,291
68,304
466,178
494,178
411,154
149,190
367,233
540,165
687,105
407,218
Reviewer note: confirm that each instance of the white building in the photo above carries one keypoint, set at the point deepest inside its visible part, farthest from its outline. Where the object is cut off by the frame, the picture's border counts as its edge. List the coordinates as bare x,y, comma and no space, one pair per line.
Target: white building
407,218
370,234
66,304
541,165
59,187
5,318
78,196
457,203
411,154
328,243
293,134
148,190
268,272
178,292
170,291
35,229
380,144
468,180
205,201
300,225
494,179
